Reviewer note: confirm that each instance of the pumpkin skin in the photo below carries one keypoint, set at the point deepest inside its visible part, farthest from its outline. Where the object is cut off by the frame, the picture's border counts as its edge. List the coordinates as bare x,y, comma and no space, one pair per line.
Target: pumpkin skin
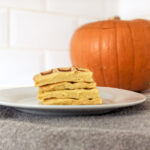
116,51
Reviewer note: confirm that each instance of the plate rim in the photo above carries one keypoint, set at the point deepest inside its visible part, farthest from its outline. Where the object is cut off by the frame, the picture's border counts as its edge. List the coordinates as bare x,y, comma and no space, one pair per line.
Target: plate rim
73,107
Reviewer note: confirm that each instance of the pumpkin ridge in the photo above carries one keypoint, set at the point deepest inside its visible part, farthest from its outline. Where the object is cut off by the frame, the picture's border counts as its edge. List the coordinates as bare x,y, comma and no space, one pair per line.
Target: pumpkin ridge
117,54
133,48
104,81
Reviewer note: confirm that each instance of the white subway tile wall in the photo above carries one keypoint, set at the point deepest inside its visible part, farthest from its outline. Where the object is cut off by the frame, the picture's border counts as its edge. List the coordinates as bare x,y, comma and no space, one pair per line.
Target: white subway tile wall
3,27
40,30
87,8
18,67
29,4
35,34
130,9
55,59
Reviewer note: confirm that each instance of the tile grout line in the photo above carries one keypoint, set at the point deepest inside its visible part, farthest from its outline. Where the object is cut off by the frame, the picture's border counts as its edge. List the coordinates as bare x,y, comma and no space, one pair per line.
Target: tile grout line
34,49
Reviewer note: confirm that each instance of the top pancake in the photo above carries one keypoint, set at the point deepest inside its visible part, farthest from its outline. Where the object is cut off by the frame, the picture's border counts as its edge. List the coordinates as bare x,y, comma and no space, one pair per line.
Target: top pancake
70,74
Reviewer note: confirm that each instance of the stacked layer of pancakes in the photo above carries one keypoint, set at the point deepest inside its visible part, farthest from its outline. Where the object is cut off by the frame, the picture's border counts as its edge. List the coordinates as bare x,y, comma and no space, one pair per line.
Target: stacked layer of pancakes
67,86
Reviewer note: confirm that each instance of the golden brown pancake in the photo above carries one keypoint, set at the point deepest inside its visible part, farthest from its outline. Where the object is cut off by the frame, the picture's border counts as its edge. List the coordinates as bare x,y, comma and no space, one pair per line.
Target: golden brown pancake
71,74
95,101
67,86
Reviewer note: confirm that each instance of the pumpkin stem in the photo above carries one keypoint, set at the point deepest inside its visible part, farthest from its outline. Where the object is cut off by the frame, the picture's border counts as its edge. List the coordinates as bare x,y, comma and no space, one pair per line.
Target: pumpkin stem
115,18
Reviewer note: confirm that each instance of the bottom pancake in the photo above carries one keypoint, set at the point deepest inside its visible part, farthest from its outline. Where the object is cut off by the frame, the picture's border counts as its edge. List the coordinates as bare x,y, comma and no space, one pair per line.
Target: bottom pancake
95,101
69,94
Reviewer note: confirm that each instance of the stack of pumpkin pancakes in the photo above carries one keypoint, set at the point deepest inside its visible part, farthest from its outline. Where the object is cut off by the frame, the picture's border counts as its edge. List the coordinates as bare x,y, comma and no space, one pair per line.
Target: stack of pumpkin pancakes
67,86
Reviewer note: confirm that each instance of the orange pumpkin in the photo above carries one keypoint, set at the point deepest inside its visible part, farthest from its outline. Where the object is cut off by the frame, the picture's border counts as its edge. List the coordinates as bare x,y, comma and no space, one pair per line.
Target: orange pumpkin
117,51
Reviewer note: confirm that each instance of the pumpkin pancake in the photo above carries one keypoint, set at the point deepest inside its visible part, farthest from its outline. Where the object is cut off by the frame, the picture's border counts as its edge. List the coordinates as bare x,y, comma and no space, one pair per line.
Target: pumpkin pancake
71,74
67,86
95,101
75,94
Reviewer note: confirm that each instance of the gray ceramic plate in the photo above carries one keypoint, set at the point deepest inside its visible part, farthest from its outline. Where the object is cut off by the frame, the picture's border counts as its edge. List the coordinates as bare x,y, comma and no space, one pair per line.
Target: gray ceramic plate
24,99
